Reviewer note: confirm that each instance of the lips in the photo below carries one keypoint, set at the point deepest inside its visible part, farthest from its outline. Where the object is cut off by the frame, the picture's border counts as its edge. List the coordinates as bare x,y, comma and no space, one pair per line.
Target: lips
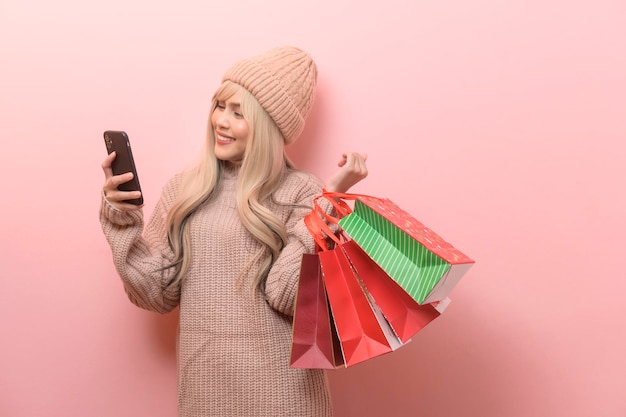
223,139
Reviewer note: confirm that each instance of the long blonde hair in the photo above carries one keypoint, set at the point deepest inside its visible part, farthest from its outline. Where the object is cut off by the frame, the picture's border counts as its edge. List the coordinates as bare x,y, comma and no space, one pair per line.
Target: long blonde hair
263,167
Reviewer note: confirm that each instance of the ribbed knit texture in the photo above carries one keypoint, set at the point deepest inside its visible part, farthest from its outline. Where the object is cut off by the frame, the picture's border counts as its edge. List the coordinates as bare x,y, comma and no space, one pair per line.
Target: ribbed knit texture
283,80
233,349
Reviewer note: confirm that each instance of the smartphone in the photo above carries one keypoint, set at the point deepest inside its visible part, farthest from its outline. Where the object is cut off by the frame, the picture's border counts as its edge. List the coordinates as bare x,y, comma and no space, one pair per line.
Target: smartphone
116,140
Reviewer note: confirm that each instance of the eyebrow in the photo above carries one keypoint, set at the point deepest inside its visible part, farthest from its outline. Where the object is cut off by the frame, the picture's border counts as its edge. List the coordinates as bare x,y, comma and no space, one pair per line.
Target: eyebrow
229,103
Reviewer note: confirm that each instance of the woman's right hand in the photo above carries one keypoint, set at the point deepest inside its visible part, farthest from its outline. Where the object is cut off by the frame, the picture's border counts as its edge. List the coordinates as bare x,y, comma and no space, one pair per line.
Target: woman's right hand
111,182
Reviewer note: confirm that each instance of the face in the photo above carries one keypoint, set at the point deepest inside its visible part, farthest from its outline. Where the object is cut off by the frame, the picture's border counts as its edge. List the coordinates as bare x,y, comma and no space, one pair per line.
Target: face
231,130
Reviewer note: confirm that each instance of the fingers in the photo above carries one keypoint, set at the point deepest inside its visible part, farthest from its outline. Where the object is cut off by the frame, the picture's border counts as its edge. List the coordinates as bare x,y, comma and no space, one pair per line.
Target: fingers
351,157
106,165
356,163
113,194
113,181
352,169
116,197
119,198
347,156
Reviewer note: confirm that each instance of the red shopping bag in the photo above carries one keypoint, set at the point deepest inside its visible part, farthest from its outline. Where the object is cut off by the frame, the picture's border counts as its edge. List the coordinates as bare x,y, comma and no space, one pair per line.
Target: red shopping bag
402,312
363,332
315,343
358,328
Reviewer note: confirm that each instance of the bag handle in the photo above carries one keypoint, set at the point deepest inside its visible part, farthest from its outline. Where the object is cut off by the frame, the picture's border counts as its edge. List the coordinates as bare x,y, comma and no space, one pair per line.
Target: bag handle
343,196
319,229
314,221
337,200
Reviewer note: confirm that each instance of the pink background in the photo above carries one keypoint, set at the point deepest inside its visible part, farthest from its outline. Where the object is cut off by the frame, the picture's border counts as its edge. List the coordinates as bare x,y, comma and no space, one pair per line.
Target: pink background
499,124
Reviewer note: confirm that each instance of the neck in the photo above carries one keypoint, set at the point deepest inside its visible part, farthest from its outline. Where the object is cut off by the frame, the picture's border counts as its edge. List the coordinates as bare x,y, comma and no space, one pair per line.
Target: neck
231,169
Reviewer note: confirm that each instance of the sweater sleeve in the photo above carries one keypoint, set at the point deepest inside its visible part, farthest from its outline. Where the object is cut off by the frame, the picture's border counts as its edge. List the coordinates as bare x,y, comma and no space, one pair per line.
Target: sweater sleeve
282,281
139,255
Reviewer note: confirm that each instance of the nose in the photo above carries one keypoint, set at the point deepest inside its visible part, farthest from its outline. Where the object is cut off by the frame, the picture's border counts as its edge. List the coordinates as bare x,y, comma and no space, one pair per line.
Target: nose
222,120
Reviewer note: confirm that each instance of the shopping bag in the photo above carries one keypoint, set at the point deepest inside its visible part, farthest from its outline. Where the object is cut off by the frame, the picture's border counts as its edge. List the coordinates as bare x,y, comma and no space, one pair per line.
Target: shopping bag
405,316
363,331
359,329
314,339
420,261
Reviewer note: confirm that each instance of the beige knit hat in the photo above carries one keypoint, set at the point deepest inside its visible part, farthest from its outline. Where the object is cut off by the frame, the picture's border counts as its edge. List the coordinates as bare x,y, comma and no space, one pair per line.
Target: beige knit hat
283,81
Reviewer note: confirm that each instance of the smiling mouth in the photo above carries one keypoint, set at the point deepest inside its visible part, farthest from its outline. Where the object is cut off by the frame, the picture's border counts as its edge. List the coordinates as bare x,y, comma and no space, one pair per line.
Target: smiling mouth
224,139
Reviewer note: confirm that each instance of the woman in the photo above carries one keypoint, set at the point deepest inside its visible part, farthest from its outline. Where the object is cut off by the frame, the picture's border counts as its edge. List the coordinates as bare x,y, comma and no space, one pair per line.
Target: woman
225,243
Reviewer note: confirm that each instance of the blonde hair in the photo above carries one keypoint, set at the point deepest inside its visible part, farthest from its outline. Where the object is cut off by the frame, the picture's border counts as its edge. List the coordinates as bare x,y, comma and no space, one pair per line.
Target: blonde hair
262,170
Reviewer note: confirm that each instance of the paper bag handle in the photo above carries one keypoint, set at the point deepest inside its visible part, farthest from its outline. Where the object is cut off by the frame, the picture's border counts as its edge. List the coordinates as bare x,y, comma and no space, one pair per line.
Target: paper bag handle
314,221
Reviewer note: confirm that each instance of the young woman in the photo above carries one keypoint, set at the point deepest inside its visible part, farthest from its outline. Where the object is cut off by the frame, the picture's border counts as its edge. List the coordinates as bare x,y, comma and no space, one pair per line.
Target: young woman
225,243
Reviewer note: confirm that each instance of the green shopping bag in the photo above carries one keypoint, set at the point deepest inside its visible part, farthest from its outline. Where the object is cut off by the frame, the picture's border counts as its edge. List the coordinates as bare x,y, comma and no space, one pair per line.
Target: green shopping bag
420,261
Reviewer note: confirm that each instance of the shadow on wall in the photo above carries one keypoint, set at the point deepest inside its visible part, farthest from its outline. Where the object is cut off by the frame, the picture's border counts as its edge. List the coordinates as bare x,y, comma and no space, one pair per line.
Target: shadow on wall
441,373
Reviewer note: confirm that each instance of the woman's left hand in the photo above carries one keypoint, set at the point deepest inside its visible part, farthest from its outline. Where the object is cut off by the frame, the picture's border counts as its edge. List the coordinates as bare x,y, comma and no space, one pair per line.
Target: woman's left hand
352,169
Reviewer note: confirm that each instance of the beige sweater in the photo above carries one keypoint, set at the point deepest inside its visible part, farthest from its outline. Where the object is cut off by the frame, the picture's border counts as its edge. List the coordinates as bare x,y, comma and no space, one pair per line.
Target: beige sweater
233,348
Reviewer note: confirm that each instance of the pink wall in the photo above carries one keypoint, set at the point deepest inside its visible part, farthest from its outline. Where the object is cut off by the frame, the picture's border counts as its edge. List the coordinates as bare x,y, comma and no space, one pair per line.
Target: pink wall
500,124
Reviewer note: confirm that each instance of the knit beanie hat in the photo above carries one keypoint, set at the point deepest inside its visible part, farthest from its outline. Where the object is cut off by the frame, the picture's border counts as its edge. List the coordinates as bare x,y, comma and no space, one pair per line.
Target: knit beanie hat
283,81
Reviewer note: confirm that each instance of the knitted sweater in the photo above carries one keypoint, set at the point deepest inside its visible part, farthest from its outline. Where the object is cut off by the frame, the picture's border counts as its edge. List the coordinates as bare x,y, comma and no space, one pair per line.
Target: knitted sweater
233,347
